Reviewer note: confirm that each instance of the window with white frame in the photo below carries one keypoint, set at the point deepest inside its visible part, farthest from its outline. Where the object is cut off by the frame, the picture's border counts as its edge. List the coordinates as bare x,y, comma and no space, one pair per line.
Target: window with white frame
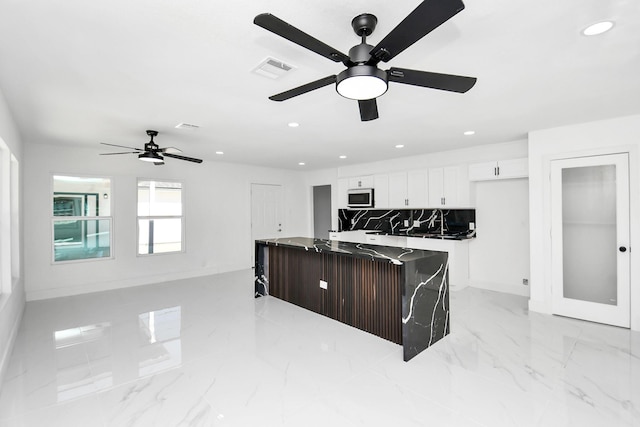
81,218
160,219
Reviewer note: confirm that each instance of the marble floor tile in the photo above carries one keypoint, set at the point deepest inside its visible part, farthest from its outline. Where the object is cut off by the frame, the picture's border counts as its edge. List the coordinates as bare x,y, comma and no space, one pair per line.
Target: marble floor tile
204,352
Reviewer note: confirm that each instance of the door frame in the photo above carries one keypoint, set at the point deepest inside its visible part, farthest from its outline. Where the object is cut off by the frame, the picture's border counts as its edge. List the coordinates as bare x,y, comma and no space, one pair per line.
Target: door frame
620,314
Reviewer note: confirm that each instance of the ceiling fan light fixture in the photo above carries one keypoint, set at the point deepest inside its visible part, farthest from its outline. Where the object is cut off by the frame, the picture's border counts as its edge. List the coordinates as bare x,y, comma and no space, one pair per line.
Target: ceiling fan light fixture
150,156
362,82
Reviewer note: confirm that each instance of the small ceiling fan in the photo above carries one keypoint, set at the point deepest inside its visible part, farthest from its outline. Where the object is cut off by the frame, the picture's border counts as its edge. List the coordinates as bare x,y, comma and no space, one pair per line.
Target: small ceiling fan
363,80
152,152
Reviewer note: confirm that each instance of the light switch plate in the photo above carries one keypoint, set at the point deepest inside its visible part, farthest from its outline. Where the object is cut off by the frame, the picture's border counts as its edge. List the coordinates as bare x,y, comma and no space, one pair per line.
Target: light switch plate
323,284
472,226
406,222
416,223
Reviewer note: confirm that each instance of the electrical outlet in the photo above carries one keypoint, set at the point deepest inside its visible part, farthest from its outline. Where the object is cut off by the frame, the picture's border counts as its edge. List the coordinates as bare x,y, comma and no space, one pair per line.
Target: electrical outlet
323,284
472,226
525,282
416,223
406,222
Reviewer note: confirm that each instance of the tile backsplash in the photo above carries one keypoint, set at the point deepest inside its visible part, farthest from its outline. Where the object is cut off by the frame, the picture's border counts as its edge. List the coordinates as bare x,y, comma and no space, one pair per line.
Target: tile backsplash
406,221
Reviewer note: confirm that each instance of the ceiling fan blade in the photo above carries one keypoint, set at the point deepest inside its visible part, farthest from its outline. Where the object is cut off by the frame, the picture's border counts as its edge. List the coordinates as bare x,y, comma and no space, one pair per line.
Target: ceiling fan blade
368,109
122,146
449,82
189,159
124,152
170,150
428,16
304,89
283,29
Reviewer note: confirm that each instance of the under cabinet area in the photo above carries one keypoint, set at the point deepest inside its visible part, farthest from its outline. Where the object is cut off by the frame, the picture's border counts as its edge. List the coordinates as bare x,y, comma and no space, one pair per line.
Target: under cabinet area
502,169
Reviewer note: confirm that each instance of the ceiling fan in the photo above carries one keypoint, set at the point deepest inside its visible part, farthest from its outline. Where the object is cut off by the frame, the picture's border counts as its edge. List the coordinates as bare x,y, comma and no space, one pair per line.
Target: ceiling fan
152,152
363,80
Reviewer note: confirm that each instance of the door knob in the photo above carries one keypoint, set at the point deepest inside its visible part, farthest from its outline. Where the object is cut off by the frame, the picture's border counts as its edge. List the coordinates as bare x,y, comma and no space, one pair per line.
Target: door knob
622,249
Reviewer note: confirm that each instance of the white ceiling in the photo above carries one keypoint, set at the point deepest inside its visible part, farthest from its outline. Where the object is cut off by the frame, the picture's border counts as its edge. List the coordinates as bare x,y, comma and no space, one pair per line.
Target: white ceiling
81,72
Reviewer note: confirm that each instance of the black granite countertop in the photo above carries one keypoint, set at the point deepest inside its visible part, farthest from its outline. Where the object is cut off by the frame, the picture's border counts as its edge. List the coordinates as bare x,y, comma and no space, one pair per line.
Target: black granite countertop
374,252
421,235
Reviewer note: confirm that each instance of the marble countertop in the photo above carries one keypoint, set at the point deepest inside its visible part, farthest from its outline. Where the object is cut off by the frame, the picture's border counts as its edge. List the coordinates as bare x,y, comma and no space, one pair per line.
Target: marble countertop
394,255
421,235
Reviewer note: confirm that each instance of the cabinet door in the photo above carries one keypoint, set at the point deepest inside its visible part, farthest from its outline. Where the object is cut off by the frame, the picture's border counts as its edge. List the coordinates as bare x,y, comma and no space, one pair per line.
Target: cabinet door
483,171
361,181
450,187
436,187
381,191
343,186
417,190
515,168
398,190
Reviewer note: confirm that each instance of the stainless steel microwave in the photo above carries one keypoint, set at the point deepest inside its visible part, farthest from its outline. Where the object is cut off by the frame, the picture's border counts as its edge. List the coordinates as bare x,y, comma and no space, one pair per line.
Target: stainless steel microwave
360,198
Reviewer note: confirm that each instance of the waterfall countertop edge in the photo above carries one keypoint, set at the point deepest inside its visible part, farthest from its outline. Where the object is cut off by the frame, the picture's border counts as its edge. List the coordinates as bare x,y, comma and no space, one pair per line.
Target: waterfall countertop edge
391,254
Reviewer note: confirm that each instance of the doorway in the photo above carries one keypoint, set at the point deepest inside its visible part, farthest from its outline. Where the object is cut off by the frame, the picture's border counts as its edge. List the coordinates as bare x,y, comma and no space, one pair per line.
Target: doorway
590,238
321,211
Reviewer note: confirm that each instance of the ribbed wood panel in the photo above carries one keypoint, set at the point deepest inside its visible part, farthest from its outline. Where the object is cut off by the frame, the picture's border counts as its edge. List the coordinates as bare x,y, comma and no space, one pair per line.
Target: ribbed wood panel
362,293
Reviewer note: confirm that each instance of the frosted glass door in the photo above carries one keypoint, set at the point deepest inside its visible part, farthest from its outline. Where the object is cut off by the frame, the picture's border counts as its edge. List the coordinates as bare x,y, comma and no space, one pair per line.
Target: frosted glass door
590,235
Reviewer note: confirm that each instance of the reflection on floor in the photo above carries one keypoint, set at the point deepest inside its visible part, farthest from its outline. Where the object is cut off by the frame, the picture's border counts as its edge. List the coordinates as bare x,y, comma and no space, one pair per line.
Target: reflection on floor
203,352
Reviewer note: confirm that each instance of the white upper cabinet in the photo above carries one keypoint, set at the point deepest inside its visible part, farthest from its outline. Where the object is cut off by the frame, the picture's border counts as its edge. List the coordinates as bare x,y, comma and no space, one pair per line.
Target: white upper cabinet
417,189
502,169
361,181
408,189
381,191
444,187
343,187
397,190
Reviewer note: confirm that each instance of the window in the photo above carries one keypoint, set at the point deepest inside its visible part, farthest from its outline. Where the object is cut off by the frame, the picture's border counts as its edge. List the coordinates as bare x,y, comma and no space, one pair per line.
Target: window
81,218
160,223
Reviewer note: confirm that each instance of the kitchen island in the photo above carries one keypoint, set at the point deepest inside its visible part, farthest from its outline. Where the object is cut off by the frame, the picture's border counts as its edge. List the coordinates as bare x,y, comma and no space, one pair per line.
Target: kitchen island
398,294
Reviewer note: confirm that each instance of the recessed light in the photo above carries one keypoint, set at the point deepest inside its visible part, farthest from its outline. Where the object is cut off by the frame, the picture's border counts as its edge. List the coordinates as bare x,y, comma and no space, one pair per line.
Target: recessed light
301,163
470,132
343,157
598,28
294,125
220,153
399,146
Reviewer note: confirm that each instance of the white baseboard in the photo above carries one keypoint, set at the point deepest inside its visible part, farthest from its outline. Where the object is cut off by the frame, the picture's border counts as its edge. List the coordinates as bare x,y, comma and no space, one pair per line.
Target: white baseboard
501,287
110,285
8,350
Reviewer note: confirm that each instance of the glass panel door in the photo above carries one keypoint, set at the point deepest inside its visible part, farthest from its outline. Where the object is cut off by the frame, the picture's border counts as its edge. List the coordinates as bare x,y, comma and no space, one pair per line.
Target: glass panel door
590,235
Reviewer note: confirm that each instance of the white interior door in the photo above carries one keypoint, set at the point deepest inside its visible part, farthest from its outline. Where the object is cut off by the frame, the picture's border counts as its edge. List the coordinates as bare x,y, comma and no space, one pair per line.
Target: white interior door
590,238
267,207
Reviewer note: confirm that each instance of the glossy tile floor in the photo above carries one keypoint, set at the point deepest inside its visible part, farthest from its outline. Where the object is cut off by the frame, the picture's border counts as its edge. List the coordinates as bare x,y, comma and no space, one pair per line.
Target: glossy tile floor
203,352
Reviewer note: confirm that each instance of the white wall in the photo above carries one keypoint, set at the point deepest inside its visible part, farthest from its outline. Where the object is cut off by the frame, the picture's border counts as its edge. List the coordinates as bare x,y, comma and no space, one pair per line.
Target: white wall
217,219
12,300
600,137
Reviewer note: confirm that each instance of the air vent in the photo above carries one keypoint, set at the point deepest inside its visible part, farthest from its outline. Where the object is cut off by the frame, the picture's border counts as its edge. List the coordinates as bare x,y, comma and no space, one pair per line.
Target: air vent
186,126
273,68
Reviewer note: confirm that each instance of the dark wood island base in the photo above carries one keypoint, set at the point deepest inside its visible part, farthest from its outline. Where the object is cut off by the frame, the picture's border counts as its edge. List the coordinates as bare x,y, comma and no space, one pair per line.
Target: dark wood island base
397,294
